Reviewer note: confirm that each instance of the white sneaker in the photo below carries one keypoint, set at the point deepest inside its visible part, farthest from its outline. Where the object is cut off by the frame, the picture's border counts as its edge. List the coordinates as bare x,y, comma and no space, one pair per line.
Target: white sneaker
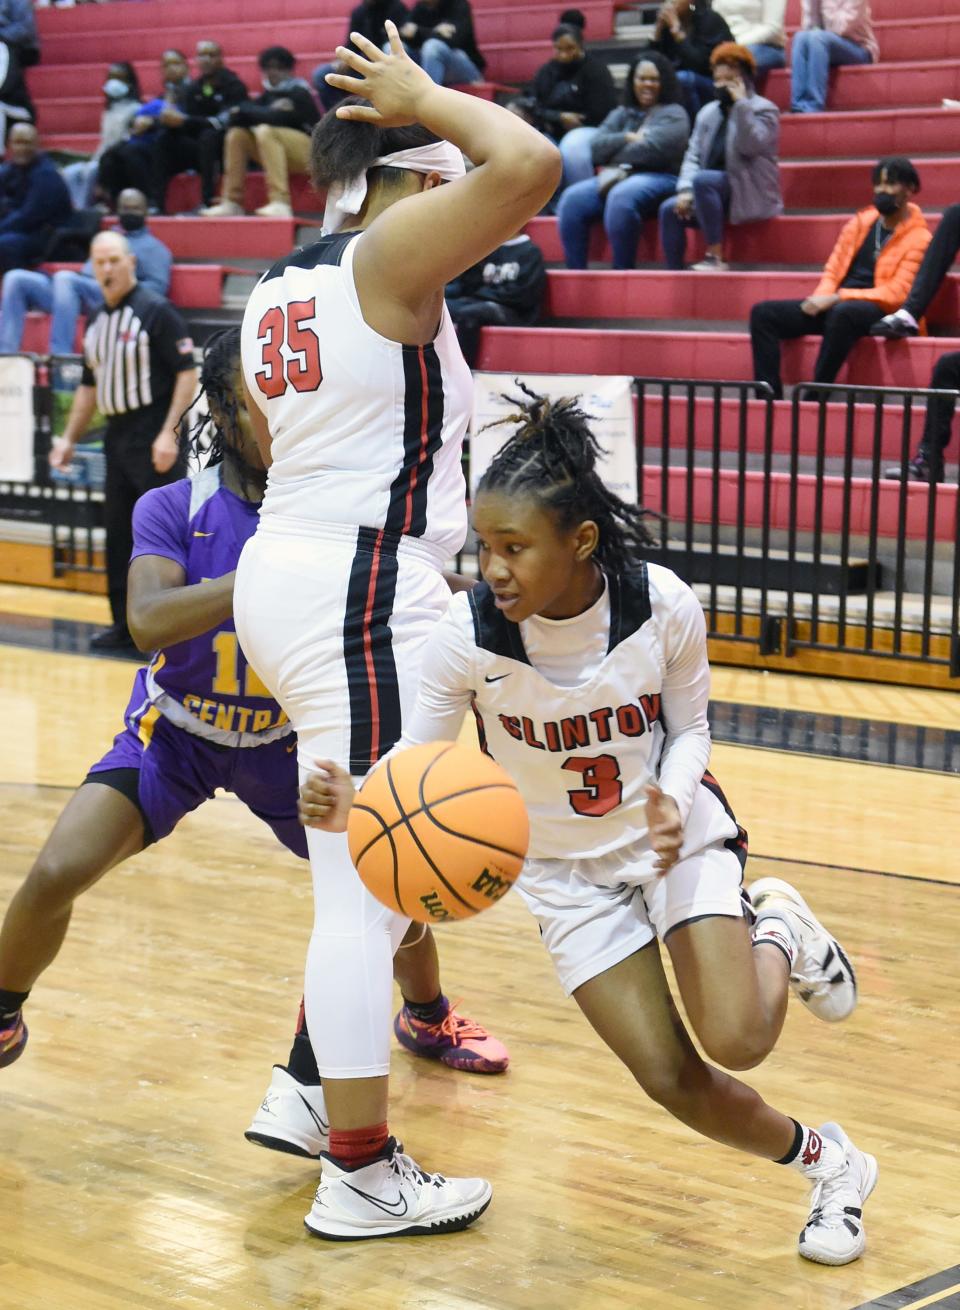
821,974
393,1197
292,1117
275,209
222,209
834,1234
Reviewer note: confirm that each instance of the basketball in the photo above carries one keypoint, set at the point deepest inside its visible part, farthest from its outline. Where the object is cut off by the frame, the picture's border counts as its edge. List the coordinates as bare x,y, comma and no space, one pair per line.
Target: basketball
438,832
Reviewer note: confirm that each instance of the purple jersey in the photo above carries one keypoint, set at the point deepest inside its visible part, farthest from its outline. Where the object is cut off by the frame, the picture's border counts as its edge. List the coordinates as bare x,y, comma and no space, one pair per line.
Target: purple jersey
205,685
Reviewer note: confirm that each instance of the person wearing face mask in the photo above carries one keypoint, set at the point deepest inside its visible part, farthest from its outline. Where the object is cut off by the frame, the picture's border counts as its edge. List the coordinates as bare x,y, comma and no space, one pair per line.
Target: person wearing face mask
730,170
571,95
69,293
869,273
688,34
129,164
122,104
639,148
273,131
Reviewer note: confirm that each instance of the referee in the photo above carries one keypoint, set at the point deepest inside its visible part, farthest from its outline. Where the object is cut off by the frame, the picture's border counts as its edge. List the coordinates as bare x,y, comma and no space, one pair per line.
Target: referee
139,372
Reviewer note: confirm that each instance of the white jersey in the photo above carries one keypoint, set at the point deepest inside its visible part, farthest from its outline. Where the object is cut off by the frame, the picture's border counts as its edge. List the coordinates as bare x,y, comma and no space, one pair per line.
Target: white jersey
366,432
584,713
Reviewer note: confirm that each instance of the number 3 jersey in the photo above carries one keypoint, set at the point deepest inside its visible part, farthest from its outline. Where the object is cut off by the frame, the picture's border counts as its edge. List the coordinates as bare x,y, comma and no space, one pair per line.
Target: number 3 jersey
366,432
584,713
204,685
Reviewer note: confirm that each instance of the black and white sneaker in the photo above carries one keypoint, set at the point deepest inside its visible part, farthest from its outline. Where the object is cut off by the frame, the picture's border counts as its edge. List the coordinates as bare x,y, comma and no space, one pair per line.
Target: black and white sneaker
292,1117
834,1234
392,1197
820,974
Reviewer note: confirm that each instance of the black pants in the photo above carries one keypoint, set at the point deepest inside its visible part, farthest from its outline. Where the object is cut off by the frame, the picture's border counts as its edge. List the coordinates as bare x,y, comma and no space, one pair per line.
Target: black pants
469,314
130,473
937,259
129,164
178,151
939,420
773,321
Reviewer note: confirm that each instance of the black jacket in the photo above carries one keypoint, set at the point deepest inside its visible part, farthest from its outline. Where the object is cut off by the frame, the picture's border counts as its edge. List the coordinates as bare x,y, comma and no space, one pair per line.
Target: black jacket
706,32
456,12
252,112
33,200
206,103
582,88
369,20
513,276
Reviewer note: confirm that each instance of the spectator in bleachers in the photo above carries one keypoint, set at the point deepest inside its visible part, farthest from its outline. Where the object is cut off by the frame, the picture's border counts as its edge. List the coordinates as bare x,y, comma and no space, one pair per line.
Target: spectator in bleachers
730,171
439,35
571,95
274,131
368,19
759,25
19,49
927,464
504,289
69,293
122,95
191,133
130,163
869,273
940,254
34,199
688,34
832,32
640,148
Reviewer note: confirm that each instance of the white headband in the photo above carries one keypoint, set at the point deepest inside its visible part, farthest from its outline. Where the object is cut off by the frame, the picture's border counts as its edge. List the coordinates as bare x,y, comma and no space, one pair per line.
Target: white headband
345,200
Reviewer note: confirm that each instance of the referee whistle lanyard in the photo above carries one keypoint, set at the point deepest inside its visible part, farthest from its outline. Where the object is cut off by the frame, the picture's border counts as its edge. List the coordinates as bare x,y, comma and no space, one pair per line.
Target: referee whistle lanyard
345,199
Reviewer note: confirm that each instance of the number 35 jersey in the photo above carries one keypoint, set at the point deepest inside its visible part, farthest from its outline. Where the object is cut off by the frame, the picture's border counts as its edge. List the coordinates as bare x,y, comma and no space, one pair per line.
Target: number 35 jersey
366,432
585,713
204,685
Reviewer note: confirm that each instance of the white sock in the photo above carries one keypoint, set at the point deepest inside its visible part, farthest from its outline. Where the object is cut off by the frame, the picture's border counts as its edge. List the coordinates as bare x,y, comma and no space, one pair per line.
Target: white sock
776,931
817,1156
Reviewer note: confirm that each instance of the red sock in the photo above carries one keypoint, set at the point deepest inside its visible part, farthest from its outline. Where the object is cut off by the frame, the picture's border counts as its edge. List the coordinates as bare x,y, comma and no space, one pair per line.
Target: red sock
358,1146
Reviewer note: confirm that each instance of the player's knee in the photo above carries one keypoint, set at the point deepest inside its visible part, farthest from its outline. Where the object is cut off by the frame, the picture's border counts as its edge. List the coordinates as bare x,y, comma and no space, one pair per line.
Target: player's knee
736,1046
668,1085
55,881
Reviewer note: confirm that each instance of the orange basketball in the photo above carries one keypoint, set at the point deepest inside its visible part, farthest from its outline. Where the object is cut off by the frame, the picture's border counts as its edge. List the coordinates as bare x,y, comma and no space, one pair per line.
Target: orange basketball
438,832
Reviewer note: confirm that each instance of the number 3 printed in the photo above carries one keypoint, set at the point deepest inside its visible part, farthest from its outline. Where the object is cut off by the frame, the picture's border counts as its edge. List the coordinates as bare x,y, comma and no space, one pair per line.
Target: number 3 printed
303,371
602,789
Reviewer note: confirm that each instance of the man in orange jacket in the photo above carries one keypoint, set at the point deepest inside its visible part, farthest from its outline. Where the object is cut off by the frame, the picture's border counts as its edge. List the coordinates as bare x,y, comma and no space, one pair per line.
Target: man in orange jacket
869,274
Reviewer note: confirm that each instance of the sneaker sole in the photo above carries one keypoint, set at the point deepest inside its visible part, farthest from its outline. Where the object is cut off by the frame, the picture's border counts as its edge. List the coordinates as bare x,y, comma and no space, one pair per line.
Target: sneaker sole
825,1258
334,1232
14,1052
800,906
413,1046
283,1144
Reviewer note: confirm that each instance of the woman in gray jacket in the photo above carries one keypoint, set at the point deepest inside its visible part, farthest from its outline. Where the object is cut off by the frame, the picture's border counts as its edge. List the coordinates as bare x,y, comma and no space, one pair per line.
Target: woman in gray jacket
638,149
730,170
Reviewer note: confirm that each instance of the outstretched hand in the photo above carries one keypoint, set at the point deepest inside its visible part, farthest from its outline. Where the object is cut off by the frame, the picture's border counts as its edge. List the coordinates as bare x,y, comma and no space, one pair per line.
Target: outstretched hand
665,827
326,797
392,82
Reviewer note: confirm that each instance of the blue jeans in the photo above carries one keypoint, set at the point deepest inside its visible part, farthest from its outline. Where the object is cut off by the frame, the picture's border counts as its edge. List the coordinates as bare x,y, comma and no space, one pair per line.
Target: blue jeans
576,156
66,296
624,209
767,57
812,55
329,96
696,90
446,65
711,200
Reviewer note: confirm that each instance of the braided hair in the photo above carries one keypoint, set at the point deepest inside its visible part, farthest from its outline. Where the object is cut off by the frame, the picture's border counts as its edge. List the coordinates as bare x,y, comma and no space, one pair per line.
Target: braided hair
215,429
552,458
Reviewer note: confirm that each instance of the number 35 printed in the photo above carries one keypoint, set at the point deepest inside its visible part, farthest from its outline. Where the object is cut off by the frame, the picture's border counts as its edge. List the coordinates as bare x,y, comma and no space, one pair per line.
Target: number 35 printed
302,372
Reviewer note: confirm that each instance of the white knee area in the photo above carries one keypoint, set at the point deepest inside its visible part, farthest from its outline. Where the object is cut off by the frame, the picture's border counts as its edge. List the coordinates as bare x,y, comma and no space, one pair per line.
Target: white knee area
348,986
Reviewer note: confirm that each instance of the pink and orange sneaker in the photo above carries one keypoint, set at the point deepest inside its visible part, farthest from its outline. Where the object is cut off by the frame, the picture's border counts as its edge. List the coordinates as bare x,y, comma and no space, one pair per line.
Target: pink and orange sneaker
13,1038
456,1041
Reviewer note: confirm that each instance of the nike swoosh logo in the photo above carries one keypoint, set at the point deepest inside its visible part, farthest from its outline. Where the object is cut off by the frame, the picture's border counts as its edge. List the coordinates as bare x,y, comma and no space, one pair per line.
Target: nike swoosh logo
313,1114
498,678
391,1207
202,534
291,749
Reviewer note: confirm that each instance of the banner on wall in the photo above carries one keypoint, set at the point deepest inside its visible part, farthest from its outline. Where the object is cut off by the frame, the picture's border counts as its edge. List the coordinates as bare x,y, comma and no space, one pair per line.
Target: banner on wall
16,418
608,400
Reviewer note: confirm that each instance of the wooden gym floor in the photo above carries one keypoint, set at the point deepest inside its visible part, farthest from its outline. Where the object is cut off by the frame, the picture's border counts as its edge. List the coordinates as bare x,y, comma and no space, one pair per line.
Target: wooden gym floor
125,1180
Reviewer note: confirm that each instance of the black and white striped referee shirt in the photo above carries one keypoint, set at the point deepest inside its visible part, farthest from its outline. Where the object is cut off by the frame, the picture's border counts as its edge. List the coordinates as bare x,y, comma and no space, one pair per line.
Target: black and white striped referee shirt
132,355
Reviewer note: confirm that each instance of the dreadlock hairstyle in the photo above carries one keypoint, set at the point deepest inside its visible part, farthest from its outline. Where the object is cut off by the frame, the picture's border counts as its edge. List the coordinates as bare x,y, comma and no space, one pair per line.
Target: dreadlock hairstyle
212,432
552,458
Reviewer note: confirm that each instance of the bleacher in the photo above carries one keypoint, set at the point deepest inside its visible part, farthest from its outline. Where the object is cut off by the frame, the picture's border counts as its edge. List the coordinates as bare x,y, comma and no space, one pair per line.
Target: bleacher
647,321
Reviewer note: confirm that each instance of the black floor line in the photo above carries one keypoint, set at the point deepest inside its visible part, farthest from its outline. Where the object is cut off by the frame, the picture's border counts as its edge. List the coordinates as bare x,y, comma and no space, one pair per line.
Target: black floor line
904,1297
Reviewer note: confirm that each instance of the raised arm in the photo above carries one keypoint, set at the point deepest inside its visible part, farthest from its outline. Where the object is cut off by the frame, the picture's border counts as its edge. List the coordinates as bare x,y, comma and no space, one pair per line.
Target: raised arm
161,611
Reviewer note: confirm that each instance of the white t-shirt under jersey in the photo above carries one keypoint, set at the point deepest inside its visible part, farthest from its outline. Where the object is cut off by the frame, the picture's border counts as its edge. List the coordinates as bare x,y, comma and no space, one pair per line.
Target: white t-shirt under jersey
366,432
584,713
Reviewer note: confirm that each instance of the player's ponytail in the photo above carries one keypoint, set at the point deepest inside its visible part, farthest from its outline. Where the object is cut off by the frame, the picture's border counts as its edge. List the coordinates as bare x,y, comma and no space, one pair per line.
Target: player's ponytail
213,435
342,149
552,458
